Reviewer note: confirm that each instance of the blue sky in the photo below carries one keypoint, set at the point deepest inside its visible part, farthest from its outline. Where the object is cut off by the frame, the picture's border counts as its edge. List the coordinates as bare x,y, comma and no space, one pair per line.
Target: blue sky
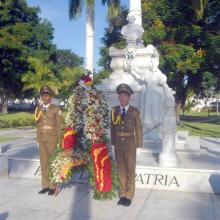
71,34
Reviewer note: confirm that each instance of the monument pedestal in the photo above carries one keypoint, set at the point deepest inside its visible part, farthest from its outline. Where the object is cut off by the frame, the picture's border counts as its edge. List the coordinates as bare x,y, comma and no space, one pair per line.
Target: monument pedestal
197,173
184,145
193,173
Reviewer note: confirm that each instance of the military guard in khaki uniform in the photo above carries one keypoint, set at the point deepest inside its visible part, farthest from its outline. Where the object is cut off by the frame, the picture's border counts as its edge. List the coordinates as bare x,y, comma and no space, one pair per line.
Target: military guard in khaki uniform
126,136
48,118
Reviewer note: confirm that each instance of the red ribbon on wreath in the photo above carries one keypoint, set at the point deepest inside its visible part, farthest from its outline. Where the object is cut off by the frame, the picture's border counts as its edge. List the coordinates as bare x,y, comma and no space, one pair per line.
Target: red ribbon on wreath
69,139
102,167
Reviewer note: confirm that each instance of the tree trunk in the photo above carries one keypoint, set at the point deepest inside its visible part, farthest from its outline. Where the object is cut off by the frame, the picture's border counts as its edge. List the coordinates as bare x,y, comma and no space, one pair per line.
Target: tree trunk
4,103
89,38
178,107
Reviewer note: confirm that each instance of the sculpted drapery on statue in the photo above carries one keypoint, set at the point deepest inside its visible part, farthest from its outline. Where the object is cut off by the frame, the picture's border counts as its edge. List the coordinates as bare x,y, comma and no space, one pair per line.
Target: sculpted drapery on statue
152,94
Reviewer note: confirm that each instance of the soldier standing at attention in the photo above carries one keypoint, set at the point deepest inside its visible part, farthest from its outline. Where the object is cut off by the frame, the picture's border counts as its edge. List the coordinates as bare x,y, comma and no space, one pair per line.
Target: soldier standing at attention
48,118
126,136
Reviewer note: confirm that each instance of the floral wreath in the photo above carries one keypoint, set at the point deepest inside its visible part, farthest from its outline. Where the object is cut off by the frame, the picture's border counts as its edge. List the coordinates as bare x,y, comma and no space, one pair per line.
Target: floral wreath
85,142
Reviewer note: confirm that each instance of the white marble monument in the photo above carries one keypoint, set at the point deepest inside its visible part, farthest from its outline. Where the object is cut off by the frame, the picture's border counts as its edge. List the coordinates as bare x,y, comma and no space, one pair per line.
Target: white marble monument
137,66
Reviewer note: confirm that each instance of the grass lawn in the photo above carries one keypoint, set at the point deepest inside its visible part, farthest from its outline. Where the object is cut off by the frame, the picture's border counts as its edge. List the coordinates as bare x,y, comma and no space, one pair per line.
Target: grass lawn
202,114
18,119
200,124
6,138
17,115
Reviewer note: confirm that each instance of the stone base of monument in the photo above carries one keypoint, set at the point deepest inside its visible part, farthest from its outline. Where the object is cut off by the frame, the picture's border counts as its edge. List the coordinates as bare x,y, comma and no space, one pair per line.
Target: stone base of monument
3,165
24,167
23,162
185,144
194,172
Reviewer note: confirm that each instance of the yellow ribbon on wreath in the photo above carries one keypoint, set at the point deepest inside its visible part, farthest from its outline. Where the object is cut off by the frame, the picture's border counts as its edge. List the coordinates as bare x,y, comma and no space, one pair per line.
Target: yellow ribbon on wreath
37,114
118,119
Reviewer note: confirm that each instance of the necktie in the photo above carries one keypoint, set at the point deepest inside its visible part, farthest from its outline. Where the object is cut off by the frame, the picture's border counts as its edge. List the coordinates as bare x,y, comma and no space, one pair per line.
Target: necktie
45,109
123,113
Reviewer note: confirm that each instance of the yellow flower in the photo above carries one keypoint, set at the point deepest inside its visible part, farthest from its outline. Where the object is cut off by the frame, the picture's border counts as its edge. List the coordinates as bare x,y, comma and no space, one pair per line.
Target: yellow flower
65,170
89,83
158,23
201,52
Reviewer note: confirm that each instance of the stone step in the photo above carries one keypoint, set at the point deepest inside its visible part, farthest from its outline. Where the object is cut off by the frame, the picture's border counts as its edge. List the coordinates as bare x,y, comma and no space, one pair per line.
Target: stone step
24,167
193,143
182,135
180,144
181,139
178,179
157,150
155,147
3,165
185,144
193,173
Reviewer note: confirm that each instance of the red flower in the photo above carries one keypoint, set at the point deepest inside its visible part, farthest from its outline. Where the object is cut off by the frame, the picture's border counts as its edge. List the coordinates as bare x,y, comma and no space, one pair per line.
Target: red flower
102,167
87,78
69,139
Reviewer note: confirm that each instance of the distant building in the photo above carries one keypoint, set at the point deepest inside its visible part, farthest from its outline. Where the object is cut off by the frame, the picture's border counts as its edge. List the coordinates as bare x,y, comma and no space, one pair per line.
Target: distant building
199,104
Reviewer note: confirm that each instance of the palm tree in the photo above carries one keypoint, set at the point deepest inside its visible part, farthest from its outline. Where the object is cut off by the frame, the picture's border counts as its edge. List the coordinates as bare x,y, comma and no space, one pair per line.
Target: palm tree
199,7
75,9
40,75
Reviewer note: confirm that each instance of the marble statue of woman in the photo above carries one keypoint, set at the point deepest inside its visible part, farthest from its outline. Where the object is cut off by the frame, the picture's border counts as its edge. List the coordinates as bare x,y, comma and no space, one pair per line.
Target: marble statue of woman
152,94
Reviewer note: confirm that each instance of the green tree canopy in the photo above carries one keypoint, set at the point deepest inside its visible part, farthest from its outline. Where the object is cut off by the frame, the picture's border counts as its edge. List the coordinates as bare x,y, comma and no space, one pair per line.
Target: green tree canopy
22,34
28,58
38,75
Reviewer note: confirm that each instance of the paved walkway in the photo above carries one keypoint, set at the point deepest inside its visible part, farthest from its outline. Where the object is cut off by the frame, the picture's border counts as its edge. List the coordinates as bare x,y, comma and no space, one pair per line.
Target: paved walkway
25,146
19,200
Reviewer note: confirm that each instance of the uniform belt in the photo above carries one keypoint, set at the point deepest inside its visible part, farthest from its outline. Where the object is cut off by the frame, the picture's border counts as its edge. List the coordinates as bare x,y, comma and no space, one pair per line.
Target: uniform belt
124,134
46,127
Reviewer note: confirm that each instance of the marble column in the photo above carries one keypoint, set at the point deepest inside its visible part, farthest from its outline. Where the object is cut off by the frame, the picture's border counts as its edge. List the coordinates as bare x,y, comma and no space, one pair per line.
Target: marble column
135,10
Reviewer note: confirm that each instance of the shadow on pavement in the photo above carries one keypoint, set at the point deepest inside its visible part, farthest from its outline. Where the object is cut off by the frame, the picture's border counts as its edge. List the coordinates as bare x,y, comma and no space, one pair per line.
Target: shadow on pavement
215,183
4,216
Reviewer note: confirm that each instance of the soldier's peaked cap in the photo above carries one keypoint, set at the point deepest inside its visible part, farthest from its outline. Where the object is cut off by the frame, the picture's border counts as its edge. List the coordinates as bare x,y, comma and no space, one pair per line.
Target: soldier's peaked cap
46,90
124,88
